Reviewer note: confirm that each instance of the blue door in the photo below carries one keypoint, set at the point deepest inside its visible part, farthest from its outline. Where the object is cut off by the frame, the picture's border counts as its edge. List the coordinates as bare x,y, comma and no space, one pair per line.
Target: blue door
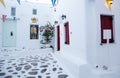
9,33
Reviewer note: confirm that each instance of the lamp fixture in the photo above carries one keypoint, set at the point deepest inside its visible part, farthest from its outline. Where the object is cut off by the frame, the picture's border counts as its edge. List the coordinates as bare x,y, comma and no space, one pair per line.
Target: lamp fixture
109,3
63,16
56,22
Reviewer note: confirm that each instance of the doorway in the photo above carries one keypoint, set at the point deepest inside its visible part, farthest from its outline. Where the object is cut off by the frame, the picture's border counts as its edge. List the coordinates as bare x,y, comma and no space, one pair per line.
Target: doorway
58,38
67,38
9,33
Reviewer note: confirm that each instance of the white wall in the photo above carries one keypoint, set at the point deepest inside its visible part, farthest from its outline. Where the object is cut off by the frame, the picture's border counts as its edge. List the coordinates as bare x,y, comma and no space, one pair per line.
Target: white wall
84,22
74,54
0,37
106,54
75,13
92,31
24,13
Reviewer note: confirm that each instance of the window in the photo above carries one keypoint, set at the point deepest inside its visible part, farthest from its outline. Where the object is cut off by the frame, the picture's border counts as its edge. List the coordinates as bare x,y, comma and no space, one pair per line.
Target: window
34,11
13,11
107,25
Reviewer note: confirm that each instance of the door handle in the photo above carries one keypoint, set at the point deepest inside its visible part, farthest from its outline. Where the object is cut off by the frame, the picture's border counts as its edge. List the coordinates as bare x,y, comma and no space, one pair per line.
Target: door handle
11,33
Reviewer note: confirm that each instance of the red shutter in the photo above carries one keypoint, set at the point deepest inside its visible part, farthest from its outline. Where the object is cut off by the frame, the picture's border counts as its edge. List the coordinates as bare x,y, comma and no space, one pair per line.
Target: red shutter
67,38
58,38
106,23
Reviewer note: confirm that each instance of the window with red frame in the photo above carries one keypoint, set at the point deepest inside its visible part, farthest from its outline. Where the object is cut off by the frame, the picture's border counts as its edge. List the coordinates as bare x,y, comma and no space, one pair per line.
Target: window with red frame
106,24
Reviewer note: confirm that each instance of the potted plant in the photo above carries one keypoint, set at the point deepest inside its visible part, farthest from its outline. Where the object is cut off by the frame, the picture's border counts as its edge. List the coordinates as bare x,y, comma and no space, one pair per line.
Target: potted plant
47,33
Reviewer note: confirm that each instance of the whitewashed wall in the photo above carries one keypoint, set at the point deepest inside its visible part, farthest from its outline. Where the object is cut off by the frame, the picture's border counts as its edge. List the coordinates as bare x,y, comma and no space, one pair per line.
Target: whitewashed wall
24,12
84,22
75,13
106,54
73,56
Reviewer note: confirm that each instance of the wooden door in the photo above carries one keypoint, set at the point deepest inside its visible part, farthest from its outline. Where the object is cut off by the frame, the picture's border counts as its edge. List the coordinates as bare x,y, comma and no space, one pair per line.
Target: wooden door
58,38
9,33
67,38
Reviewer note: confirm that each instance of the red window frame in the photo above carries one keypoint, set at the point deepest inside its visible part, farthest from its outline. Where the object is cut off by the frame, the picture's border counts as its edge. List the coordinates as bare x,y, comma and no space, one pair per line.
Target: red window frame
106,23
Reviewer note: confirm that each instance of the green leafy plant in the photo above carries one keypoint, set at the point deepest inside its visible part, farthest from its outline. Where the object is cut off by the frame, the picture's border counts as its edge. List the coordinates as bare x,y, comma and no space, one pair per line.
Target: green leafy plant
47,33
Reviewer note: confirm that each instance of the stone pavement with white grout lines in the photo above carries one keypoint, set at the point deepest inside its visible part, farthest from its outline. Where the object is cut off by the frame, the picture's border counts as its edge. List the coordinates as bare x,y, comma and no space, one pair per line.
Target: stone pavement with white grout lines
31,66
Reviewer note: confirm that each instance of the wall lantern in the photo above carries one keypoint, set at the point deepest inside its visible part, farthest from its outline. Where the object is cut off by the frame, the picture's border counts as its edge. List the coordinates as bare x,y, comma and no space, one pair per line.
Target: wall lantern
34,20
56,22
63,16
109,4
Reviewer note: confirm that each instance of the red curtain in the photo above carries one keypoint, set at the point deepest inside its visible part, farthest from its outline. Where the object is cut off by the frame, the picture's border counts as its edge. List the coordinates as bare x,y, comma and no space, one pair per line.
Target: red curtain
67,38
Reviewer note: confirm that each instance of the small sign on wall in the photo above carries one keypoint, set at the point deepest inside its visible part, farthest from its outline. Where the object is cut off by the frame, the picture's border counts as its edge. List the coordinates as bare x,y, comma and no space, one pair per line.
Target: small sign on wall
107,34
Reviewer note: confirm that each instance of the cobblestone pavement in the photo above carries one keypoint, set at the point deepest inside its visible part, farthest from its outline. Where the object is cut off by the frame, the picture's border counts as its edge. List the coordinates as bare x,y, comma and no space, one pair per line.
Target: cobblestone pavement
32,66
